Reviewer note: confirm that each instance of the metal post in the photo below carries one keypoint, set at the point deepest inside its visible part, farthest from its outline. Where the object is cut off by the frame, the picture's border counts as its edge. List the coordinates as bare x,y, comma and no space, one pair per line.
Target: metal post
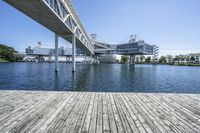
56,53
91,58
132,59
85,58
73,53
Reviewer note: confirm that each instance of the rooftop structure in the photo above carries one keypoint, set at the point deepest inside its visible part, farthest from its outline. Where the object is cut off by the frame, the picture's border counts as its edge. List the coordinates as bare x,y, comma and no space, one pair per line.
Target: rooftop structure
131,47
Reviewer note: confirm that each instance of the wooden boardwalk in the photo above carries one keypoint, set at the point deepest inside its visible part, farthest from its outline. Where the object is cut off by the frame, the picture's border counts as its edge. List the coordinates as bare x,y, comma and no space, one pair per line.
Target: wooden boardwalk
68,112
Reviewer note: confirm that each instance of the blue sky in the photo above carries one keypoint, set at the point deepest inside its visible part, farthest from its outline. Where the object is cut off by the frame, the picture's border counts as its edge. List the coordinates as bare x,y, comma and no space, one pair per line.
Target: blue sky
174,25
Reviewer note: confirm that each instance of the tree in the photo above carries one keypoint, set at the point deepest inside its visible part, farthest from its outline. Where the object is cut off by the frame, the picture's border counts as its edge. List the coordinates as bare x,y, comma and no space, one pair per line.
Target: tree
169,58
7,53
124,59
197,59
192,58
142,57
187,58
137,59
182,57
148,59
177,58
162,59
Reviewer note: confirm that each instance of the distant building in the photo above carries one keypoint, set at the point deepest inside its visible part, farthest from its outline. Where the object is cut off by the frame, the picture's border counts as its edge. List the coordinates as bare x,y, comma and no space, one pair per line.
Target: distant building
40,50
109,58
42,53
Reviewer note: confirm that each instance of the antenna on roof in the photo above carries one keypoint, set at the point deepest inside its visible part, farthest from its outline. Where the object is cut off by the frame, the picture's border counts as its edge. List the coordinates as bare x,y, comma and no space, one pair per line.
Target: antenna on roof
129,38
132,38
95,37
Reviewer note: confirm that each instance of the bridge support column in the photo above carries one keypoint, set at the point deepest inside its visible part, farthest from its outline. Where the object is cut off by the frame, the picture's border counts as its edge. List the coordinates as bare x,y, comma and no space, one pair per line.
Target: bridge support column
85,59
90,58
132,59
56,53
73,53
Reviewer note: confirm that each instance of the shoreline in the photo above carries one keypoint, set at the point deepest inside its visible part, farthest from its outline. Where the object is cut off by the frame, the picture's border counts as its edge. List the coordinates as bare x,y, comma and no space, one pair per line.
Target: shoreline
193,65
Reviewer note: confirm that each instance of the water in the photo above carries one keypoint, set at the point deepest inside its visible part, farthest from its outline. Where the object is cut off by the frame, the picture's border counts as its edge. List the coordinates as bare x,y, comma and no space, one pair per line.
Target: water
100,77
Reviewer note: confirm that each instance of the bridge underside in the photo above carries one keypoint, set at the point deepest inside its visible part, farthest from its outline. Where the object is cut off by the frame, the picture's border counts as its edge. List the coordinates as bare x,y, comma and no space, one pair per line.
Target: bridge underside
39,11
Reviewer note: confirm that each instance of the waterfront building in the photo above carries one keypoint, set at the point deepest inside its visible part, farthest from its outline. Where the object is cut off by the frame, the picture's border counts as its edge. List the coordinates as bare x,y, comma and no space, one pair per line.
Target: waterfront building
131,48
42,53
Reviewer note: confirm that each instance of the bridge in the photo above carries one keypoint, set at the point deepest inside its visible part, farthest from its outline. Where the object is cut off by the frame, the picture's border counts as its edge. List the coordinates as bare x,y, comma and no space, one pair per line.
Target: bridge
60,17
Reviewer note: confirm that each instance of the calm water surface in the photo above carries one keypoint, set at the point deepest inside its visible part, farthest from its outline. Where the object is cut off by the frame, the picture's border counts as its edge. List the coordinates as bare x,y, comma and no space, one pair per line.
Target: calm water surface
100,77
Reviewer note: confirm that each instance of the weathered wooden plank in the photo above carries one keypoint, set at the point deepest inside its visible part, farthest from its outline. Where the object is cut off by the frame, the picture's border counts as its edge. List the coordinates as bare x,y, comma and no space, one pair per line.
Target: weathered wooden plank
176,119
99,126
130,117
179,117
157,114
120,127
93,123
112,123
106,127
10,119
43,111
80,122
36,114
142,126
122,115
75,109
77,114
88,115
14,101
55,116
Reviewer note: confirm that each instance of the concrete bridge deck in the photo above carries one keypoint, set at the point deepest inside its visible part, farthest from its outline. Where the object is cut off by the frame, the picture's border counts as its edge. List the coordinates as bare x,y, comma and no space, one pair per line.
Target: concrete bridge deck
48,111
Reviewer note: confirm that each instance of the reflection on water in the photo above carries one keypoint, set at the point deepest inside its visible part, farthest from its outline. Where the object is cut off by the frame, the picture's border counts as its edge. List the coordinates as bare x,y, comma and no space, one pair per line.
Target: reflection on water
100,77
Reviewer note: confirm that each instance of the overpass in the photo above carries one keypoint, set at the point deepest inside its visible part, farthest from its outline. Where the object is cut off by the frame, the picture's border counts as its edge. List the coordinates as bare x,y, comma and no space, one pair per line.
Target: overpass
60,17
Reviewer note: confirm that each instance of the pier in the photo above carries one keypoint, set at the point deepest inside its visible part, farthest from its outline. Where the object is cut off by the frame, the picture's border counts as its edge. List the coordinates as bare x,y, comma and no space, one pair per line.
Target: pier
51,111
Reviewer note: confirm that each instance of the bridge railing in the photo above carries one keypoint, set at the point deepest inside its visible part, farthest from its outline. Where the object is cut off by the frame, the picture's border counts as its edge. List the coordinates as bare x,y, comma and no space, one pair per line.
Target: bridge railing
65,10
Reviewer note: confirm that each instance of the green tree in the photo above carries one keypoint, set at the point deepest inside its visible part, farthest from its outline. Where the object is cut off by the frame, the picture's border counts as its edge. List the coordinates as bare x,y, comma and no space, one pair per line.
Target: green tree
148,59
192,58
169,58
137,59
177,58
124,59
197,59
7,53
182,58
162,59
142,57
187,58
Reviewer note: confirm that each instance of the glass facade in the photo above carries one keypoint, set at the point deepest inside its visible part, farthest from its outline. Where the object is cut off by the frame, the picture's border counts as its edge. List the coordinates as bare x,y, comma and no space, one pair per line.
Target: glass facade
128,48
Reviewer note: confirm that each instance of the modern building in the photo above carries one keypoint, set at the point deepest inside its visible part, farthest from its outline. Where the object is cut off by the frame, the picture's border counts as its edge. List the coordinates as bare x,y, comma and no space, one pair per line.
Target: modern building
42,53
131,48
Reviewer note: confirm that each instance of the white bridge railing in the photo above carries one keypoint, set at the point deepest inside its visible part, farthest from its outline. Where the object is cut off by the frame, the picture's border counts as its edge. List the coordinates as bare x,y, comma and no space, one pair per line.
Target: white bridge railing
65,10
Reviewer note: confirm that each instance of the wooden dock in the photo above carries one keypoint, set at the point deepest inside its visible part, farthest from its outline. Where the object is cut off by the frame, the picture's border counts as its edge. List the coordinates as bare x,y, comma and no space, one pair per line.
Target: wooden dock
73,112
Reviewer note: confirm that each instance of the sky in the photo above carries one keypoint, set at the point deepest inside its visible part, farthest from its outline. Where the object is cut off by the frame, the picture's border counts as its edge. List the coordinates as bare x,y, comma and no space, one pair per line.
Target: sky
173,25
